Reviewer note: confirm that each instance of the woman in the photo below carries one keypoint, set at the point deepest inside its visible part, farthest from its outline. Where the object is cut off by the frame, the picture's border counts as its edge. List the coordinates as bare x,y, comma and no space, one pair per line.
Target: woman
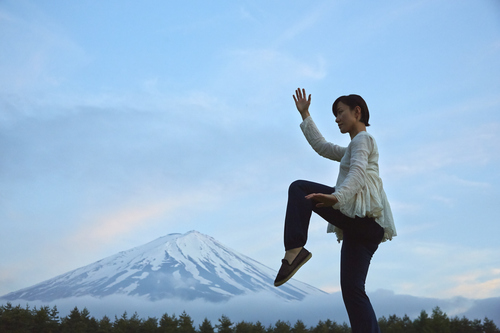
356,209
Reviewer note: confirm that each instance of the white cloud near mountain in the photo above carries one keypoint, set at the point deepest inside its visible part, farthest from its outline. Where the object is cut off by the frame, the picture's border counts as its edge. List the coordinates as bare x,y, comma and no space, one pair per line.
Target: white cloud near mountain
268,310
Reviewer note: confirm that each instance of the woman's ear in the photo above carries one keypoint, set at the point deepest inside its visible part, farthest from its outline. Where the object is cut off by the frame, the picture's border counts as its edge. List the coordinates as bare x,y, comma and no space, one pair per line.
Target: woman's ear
357,112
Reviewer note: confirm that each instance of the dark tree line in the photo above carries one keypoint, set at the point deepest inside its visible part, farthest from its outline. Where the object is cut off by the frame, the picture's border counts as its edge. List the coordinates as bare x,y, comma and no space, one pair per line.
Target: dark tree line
46,320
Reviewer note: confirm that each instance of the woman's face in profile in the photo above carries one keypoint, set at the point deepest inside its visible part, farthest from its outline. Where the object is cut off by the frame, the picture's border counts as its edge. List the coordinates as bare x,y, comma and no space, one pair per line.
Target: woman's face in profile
346,118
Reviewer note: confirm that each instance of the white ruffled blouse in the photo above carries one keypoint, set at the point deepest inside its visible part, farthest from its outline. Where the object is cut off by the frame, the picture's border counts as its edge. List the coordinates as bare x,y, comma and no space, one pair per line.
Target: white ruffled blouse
359,188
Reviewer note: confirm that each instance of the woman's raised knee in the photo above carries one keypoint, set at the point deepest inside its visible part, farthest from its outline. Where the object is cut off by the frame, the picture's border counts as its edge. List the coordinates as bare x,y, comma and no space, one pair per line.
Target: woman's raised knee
296,185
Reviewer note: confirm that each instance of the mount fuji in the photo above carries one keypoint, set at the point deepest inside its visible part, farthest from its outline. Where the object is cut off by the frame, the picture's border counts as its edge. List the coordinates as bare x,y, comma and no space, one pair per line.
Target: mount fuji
182,266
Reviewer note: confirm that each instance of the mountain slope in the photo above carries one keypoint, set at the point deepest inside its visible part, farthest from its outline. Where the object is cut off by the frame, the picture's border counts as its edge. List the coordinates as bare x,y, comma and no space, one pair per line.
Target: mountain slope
186,266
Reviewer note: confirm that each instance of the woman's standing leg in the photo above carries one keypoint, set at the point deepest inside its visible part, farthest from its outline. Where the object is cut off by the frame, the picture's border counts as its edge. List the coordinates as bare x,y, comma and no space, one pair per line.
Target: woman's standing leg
358,247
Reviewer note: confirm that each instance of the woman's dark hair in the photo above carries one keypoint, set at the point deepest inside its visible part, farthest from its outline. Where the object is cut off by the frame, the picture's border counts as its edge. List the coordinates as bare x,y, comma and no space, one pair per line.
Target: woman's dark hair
352,101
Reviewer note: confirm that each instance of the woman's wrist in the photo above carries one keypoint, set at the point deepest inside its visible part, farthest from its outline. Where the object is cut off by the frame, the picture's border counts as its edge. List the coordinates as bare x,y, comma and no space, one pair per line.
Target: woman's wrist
305,114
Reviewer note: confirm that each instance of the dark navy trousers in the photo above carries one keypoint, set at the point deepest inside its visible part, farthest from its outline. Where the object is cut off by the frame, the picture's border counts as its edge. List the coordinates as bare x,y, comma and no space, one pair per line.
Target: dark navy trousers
361,239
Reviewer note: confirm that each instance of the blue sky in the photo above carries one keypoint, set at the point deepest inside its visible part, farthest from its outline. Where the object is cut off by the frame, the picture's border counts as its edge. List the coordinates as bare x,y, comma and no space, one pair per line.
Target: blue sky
121,122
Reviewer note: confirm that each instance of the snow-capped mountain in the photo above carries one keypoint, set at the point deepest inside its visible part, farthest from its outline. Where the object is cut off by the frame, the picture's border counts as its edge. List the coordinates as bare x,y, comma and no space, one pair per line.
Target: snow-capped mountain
186,266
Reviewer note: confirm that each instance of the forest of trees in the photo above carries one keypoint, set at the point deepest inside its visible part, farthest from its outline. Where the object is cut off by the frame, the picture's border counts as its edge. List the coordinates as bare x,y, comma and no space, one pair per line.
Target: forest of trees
45,319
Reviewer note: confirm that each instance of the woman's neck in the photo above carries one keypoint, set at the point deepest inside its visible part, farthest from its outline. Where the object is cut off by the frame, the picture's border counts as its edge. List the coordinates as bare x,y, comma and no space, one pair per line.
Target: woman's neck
358,127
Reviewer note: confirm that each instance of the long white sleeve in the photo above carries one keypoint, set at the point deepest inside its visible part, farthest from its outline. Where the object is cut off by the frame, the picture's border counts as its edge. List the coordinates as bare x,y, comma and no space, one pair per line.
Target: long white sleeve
318,142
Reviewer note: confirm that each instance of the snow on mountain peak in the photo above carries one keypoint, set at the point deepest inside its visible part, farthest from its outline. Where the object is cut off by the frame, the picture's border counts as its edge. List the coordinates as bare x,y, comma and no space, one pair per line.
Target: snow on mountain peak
186,266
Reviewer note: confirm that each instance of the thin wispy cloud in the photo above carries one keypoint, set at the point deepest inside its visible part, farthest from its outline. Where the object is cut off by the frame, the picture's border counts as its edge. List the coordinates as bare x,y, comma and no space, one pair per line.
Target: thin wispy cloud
476,284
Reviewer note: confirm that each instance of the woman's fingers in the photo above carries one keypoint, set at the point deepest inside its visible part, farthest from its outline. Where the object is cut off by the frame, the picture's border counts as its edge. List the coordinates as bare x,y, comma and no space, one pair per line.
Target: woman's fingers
313,196
300,94
316,196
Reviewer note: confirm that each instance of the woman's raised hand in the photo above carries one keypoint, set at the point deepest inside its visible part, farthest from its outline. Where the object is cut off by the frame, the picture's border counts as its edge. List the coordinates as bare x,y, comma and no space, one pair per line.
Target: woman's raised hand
302,103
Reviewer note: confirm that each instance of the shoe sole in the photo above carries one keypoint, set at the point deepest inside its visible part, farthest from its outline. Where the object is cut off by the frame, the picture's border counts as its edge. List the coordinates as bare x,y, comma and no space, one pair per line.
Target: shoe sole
277,284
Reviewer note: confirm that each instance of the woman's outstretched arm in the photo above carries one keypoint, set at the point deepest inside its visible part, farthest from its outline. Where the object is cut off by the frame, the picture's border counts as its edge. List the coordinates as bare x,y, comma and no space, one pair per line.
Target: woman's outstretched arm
311,132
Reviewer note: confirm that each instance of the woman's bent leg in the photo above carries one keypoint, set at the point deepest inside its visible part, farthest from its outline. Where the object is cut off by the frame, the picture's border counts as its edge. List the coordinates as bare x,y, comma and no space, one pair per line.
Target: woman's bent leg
299,210
298,214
